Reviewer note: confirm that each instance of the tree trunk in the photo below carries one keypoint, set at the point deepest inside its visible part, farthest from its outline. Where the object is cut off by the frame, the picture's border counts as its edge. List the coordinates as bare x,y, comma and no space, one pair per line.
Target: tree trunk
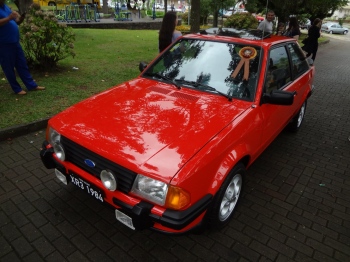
195,16
23,5
105,7
215,18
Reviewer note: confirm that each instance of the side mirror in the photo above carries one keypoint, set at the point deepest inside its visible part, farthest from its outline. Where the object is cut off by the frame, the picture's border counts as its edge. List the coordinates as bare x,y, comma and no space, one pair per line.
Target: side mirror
142,66
279,97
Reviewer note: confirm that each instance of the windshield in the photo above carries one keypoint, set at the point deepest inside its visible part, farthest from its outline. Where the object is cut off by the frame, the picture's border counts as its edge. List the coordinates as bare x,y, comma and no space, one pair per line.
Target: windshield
226,68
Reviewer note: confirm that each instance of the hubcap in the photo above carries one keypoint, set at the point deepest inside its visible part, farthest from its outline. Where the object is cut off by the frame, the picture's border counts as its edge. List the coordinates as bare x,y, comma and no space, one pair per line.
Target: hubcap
230,198
301,115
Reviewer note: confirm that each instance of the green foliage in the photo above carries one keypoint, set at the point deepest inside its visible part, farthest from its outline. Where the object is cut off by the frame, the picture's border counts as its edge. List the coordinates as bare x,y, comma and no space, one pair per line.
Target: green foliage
44,40
241,21
185,18
341,20
159,14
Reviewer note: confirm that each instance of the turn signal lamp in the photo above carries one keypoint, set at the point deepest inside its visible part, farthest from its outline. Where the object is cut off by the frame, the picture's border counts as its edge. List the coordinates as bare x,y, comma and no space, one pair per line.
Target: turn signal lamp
177,198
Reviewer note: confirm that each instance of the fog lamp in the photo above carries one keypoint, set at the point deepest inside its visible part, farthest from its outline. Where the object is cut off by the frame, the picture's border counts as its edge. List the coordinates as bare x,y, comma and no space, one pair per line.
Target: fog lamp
108,180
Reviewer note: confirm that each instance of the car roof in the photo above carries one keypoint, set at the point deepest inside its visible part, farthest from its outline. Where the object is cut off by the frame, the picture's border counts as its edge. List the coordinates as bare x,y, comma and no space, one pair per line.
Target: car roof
242,36
330,23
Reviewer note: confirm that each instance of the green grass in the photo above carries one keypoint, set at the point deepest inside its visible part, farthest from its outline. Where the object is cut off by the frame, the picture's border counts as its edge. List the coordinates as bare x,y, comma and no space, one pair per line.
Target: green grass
104,58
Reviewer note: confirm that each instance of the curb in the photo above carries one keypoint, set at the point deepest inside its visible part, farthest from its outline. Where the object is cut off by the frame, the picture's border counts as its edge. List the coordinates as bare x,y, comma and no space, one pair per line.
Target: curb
19,130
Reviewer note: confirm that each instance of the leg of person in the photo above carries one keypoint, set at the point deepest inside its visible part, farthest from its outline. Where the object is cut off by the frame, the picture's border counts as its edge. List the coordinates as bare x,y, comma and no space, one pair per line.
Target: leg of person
7,61
314,53
23,70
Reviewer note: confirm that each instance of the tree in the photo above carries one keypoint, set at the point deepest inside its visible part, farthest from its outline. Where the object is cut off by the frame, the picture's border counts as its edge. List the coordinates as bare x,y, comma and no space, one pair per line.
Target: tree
23,5
195,16
217,5
105,7
284,8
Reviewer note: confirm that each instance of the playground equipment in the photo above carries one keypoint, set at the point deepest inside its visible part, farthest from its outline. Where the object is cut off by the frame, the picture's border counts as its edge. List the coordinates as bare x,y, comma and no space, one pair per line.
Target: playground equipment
122,13
77,13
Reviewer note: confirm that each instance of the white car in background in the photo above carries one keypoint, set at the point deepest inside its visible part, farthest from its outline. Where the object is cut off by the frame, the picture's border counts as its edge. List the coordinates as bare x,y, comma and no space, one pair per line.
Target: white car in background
334,28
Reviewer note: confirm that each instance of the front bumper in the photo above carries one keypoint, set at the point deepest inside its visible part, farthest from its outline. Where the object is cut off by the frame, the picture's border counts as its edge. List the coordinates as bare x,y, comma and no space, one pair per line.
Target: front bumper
142,214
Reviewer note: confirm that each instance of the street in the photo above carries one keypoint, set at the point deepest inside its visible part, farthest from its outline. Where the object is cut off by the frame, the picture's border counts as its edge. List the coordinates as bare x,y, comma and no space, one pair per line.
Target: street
295,205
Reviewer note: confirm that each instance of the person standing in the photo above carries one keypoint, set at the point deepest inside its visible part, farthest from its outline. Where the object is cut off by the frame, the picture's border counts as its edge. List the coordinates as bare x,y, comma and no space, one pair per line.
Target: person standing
311,46
267,24
167,33
293,29
11,53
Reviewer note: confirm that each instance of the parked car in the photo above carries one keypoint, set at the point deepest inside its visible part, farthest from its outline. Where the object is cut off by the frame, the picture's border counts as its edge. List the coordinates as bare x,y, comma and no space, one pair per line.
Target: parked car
259,17
306,24
159,6
334,28
169,149
228,13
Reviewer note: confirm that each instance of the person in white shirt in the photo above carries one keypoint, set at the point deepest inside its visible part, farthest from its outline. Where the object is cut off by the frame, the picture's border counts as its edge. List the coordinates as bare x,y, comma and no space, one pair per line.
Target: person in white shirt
267,24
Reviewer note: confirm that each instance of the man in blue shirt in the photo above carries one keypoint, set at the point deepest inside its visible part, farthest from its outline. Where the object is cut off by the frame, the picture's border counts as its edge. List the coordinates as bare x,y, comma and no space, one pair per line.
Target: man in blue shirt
11,53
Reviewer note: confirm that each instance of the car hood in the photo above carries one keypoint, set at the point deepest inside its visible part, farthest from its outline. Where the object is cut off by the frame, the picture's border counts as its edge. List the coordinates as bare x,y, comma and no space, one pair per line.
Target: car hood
148,126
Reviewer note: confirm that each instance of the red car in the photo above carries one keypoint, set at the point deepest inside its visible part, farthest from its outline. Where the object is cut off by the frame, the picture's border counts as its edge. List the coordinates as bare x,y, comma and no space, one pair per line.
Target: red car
169,149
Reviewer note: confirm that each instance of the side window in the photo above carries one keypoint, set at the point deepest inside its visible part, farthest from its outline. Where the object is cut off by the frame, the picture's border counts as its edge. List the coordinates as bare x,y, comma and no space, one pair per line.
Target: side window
299,63
278,71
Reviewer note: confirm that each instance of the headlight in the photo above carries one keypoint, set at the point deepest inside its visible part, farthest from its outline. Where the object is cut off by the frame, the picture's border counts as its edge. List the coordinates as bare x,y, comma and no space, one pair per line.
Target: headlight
108,180
53,136
150,189
160,193
55,140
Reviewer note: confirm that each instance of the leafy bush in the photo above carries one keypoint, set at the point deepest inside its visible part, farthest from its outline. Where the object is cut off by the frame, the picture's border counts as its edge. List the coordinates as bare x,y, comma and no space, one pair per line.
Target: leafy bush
241,21
44,40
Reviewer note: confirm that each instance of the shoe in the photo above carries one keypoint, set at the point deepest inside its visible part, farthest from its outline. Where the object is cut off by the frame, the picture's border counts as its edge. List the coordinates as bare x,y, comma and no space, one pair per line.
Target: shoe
22,92
39,88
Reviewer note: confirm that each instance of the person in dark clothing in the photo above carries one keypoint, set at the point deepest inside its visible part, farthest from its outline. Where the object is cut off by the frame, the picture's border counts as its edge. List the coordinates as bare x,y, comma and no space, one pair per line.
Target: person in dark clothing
167,32
311,45
293,29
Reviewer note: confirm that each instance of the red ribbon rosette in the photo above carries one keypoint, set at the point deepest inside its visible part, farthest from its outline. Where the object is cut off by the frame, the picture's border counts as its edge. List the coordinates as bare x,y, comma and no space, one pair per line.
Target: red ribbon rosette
246,53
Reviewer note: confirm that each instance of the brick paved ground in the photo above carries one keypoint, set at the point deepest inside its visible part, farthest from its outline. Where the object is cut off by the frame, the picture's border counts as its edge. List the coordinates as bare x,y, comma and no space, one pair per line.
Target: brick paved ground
295,207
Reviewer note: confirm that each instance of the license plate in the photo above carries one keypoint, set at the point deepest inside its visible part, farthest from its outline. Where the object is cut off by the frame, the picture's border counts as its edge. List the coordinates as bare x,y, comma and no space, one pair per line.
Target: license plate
126,220
86,186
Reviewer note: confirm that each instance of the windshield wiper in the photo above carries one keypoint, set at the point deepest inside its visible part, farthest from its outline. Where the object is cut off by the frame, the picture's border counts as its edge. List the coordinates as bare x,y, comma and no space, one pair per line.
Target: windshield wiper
163,77
203,87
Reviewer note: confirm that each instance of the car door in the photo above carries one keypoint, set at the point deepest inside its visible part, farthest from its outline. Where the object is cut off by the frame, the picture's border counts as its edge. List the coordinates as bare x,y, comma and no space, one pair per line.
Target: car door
277,77
340,29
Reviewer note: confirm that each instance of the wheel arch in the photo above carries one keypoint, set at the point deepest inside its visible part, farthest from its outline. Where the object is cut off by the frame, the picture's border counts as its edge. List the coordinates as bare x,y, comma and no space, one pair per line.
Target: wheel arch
228,163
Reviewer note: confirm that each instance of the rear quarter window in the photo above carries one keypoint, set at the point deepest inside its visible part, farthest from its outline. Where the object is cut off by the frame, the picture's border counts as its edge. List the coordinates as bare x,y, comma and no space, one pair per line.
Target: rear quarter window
299,63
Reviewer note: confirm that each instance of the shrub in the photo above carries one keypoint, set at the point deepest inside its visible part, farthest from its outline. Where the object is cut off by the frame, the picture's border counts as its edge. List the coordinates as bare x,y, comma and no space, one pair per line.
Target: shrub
44,40
241,21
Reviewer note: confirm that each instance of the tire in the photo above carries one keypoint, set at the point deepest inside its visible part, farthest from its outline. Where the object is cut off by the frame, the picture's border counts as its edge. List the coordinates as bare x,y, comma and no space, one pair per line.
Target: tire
226,199
297,120
345,32
331,32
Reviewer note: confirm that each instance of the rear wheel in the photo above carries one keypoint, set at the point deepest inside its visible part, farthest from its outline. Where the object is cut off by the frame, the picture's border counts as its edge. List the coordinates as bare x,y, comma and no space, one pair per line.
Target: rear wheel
295,124
226,199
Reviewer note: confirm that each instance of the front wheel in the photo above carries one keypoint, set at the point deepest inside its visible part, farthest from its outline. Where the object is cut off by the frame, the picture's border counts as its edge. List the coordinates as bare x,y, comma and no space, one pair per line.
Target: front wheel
295,124
345,32
331,32
226,199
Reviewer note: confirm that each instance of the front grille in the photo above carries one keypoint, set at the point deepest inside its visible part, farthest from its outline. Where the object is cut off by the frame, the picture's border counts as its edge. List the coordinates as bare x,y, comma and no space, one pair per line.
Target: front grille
76,154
